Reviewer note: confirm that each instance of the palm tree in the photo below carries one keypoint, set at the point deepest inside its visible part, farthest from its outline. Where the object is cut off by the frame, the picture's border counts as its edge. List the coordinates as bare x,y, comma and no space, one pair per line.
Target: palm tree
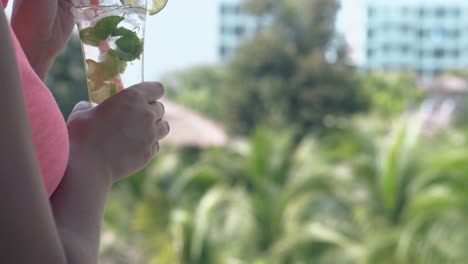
399,200
356,197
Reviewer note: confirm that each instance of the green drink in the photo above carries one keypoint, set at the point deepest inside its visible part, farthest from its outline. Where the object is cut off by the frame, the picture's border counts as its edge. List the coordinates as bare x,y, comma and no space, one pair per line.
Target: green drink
112,38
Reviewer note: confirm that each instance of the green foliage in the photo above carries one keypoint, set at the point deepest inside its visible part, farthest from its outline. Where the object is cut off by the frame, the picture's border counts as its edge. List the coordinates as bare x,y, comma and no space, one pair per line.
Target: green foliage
67,79
129,45
392,93
101,31
371,197
282,76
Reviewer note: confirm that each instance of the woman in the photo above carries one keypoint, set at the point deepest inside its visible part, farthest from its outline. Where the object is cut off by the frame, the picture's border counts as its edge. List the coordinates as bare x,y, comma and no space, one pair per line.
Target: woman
54,177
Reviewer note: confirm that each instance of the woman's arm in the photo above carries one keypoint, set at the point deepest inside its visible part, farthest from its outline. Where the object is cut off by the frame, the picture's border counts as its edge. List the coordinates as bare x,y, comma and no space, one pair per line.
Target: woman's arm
107,144
27,228
78,206
43,28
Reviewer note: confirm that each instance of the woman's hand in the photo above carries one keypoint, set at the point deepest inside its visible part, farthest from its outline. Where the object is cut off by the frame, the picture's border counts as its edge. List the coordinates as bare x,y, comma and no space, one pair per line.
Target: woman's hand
43,28
121,135
107,144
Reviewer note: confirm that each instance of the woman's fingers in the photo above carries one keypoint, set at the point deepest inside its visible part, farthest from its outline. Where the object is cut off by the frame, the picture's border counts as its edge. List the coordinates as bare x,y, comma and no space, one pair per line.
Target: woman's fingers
161,130
152,91
158,110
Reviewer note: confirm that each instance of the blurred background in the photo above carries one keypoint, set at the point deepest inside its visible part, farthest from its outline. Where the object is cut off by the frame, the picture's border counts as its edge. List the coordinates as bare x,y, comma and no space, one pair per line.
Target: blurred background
303,131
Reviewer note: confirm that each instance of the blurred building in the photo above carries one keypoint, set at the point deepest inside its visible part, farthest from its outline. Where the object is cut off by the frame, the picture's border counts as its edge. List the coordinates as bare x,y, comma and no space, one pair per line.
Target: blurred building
235,27
424,36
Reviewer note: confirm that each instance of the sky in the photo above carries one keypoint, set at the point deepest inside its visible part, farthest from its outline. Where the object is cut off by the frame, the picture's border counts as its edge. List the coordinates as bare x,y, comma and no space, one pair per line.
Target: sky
182,35
185,34
351,23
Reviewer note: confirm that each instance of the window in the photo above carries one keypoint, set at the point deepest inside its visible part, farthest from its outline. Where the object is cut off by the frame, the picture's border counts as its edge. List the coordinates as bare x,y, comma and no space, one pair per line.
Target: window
440,12
404,28
370,53
223,50
422,12
370,33
239,31
439,53
386,27
404,10
370,11
456,53
237,10
421,54
421,33
404,49
230,9
386,48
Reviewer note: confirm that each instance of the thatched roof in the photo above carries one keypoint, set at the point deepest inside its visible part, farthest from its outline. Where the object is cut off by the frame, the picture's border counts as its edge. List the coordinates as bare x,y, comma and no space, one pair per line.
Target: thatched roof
448,84
191,129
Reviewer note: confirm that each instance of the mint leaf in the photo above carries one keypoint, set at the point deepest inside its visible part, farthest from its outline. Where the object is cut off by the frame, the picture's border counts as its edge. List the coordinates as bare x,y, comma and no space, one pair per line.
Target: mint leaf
123,32
106,26
129,47
89,37
93,36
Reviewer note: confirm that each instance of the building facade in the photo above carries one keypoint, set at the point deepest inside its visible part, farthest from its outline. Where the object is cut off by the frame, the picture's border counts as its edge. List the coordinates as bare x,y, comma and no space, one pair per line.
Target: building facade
235,27
424,36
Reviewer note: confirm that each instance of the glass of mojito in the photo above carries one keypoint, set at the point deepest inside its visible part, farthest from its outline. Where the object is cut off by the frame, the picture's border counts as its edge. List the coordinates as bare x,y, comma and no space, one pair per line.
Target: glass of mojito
112,38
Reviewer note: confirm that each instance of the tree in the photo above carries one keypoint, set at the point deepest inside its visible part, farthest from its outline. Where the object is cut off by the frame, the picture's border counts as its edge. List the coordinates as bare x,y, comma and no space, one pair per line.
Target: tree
284,74
392,93
370,198
67,79
197,88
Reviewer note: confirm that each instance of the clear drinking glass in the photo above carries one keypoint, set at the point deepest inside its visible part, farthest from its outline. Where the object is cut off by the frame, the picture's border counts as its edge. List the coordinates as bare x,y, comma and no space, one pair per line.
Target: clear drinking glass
112,38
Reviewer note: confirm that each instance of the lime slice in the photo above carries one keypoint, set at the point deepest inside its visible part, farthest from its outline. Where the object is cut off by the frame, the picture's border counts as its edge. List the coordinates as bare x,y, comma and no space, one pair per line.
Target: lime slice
95,75
158,5
104,93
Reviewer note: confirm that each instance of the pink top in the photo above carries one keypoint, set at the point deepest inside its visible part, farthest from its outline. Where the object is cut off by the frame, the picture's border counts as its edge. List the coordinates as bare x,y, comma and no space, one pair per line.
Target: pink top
47,123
